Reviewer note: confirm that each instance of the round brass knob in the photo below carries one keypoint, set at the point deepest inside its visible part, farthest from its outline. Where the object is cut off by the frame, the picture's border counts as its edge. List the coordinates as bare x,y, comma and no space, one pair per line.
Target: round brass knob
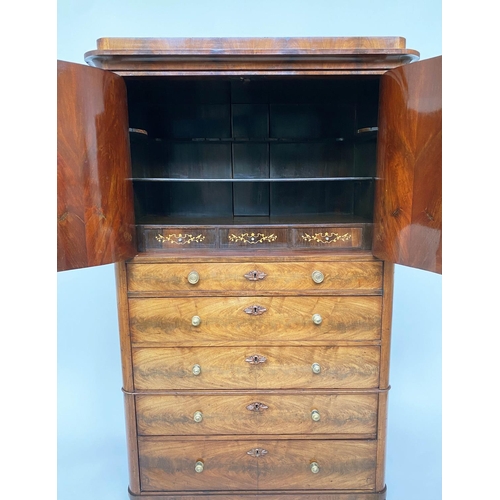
317,277
314,467
193,277
198,416
195,321
317,319
196,369
316,368
315,415
198,467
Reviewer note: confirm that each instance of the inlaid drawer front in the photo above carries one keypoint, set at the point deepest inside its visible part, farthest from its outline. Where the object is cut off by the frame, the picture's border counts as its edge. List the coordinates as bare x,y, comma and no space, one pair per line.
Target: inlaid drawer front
329,237
177,239
295,414
282,367
256,464
318,277
236,319
253,237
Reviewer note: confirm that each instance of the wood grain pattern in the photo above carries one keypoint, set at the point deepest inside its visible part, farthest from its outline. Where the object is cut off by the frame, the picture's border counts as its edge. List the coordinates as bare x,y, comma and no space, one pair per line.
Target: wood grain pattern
264,55
170,465
224,320
221,276
285,414
128,381
285,368
269,495
250,45
408,200
95,215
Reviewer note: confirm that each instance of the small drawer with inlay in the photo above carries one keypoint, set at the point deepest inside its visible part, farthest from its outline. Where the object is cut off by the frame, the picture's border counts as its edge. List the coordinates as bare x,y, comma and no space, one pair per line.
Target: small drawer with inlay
253,237
161,238
331,237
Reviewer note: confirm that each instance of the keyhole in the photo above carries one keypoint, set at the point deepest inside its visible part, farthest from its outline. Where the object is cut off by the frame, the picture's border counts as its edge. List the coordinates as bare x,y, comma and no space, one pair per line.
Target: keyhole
255,358
254,309
255,274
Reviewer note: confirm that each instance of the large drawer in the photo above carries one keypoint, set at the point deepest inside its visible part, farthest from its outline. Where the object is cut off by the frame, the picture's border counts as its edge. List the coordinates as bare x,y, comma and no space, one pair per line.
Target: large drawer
257,413
278,367
219,319
169,465
363,277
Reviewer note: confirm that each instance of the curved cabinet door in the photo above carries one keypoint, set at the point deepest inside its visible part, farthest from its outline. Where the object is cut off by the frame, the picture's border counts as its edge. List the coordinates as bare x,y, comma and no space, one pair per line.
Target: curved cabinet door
95,216
408,190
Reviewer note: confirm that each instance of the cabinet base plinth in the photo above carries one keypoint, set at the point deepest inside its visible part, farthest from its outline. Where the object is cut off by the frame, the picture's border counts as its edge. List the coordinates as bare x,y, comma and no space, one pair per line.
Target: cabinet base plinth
247,495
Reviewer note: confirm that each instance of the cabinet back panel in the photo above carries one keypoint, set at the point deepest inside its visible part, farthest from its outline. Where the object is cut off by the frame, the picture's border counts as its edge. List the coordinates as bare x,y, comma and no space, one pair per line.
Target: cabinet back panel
194,199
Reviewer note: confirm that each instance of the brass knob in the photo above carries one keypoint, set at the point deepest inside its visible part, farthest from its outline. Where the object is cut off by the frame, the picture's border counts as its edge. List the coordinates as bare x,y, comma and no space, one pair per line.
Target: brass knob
315,415
317,319
317,277
314,467
316,368
198,416
196,369
198,467
195,321
193,277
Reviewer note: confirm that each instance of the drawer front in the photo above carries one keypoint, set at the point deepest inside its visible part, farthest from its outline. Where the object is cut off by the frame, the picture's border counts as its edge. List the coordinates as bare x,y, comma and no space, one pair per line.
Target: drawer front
256,464
225,319
175,239
329,237
253,237
364,277
282,367
295,414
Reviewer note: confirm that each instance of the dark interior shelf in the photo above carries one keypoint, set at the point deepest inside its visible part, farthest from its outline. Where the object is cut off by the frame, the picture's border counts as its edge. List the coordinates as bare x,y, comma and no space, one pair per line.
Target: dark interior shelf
265,148
287,179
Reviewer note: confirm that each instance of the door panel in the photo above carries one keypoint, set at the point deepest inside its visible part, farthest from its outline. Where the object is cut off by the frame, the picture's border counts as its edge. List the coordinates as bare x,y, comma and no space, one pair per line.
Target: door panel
408,218
95,216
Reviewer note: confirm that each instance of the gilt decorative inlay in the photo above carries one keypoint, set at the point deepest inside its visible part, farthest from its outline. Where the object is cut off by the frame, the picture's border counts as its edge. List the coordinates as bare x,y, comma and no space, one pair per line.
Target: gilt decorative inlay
180,239
255,359
326,237
255,275
257,407
252,238
255,310
257,452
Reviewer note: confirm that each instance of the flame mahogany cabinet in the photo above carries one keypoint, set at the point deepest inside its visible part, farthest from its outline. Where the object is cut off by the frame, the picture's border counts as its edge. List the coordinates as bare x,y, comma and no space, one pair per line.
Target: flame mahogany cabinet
254,195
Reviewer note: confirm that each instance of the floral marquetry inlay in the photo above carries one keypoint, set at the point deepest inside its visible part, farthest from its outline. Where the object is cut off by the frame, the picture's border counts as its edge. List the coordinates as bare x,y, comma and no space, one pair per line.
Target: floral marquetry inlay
326,237
252,238
180,239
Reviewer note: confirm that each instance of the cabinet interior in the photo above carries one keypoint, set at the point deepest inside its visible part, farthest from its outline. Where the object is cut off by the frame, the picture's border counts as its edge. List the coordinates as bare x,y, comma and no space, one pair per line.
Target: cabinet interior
254,149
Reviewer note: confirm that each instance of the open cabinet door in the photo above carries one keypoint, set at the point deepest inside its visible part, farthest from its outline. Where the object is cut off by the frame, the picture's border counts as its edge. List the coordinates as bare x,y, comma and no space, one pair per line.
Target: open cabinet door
95,215
408,219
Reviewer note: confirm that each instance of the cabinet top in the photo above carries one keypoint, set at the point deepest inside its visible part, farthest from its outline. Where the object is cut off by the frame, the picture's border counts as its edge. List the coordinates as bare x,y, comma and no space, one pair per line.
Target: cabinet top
313,55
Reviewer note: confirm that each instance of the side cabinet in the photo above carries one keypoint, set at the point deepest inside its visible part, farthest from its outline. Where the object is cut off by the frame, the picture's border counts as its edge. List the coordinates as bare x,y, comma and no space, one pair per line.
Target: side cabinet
255,195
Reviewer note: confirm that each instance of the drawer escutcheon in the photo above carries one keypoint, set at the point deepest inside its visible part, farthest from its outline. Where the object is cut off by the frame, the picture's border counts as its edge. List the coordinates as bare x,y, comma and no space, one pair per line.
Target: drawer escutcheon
255,359
257,407
257,452
255,310
255,275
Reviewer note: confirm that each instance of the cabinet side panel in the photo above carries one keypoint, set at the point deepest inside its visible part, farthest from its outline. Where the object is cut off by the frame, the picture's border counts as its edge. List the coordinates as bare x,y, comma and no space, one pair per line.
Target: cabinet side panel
95,217
408,190
128,384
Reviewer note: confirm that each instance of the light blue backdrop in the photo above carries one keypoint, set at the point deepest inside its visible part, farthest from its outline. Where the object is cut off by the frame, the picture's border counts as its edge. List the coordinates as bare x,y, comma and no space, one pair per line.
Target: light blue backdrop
92,460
